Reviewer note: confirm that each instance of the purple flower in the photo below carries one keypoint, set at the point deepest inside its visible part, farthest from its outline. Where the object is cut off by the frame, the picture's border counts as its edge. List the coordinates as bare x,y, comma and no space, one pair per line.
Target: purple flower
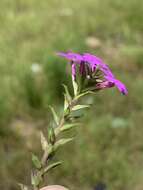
94,72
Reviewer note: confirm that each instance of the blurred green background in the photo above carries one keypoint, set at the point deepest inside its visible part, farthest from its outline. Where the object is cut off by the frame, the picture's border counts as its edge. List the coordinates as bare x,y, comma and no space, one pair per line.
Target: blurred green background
109,146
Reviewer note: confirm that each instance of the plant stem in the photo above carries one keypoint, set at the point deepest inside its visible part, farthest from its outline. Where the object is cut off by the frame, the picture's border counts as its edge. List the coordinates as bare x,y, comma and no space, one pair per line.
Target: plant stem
47,155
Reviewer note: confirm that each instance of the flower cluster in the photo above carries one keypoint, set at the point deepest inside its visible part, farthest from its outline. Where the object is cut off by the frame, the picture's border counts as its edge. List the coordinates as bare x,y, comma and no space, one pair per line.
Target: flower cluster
91,73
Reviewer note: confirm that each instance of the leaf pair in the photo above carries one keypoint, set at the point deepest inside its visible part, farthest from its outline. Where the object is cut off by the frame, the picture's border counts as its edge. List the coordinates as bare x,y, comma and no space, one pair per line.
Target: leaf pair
79,107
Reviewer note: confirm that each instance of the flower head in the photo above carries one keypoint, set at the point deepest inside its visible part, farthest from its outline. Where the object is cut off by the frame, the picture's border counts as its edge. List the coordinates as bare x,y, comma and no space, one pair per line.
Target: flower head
92,73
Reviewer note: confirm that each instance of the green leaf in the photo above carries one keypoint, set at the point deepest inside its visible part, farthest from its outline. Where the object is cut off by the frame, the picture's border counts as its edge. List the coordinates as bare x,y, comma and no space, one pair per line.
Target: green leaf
51,166
68,126
44,142
62,142
51,135
66,104
36,161
82,94
75,87
35,180
23,187
69,98
75,115
67,101
78,107
55,116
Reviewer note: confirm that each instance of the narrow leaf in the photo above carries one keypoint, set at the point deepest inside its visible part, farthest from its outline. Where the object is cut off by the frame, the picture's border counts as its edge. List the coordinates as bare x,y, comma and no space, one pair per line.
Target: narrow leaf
69,98
44,142
55,116
66,103
75,87
62,142
51,166
51,135
82,94
68,126
78,107
36,161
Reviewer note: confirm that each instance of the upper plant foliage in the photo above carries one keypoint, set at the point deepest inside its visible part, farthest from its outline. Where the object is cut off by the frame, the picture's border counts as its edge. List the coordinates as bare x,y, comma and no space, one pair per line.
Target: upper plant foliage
89,74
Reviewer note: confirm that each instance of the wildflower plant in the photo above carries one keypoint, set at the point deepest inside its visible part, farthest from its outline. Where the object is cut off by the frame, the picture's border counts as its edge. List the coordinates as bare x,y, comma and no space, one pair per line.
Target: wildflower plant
89,75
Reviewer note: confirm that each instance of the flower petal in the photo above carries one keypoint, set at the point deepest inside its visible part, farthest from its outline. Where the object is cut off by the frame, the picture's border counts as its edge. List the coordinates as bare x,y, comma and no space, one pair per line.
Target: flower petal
96,61
71,56
121,87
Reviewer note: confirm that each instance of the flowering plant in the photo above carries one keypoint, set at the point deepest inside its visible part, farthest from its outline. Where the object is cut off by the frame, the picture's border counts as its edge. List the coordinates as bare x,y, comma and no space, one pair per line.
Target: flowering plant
89,75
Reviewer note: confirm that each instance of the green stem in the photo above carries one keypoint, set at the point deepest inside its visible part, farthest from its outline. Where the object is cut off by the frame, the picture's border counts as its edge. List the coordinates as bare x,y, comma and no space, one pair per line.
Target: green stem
51,147
45,158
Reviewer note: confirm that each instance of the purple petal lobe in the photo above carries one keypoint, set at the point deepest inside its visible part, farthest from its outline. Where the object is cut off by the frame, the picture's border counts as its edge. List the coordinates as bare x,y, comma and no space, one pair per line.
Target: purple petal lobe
71,56
121,87
96,61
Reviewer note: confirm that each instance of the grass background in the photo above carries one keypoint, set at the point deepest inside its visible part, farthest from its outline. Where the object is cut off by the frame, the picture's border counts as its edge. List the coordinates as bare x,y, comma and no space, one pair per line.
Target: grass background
108,147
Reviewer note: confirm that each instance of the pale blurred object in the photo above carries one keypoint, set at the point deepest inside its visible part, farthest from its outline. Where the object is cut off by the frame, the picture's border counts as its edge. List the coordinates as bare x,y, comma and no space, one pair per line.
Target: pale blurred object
119,123
54,187
36,68
93,42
